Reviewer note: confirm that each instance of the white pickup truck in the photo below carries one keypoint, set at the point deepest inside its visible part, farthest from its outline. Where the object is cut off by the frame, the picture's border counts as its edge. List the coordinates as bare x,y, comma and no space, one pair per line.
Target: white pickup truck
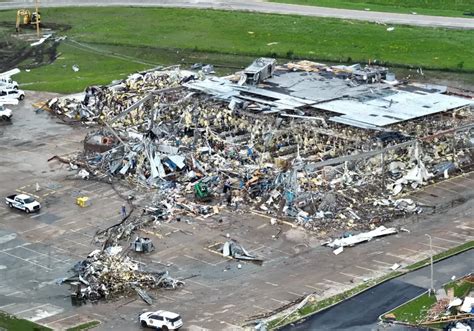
8,83
23,202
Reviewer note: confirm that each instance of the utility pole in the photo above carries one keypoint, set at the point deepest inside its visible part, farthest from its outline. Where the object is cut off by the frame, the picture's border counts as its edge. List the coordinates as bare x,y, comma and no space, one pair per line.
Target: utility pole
37,18
431,265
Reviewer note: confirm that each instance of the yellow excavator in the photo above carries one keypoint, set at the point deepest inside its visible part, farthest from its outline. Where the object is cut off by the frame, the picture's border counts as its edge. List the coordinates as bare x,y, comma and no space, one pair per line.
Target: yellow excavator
26,18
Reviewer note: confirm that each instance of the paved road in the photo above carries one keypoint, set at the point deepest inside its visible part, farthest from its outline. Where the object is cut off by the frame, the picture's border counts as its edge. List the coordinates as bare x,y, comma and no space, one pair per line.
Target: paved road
362,311
266,7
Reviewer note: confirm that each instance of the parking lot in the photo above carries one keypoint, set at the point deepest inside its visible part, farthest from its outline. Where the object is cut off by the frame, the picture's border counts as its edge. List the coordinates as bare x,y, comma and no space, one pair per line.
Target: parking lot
38,249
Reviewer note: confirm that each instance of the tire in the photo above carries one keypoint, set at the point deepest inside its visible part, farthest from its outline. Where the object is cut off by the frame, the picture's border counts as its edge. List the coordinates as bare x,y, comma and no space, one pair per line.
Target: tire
143,324
164,328
5,118
10,205
21,97
27,211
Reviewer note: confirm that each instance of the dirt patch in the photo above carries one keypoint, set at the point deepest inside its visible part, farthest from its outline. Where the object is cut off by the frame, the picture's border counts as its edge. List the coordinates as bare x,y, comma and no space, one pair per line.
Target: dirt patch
15,49
297,235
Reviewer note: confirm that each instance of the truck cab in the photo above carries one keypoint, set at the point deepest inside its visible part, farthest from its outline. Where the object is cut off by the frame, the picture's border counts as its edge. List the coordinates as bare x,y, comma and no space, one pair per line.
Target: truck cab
8,83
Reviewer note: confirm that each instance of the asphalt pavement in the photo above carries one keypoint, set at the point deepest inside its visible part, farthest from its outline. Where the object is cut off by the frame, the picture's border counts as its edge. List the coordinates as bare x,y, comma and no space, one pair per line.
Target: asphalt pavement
362,311
267,7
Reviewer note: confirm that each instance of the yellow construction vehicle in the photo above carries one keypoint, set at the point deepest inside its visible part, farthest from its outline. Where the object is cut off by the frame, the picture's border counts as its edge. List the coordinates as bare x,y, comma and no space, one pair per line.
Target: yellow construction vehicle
26,18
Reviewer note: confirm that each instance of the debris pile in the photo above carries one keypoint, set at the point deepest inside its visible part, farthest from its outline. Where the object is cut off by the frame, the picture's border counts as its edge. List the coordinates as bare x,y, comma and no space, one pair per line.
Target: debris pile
178,132
100,103
104,274
352,240
237,251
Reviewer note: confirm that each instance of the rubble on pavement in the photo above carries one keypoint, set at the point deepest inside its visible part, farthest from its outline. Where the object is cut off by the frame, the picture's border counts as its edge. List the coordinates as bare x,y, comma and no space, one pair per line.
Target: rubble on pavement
352,240
237,251
168,130
107,273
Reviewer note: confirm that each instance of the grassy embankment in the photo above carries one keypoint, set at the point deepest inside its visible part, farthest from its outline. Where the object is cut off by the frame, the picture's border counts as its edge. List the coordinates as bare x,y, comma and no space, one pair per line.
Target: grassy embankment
152,36
11,323
85,326
415,311
425,7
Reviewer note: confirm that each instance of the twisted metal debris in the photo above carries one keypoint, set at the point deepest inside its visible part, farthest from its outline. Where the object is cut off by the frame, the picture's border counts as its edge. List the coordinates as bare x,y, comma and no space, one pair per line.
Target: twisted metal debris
104,274
169,129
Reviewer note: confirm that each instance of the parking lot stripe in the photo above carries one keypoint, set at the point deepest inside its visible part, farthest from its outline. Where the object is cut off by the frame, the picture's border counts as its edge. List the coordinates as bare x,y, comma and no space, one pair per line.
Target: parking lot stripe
446,189
426,202
333,281
277,250
23,311
61,319
364,268
37,215
459,184
381,262
457,235
351,275
34,229
65,251
166,297
82,233
59,260
11,248
193,258
10,304
20,258
272,284
257,249
233,326
198,283
401,257
78,243
261,308
410,250
313,288
435,246
449,240
285,302
84,188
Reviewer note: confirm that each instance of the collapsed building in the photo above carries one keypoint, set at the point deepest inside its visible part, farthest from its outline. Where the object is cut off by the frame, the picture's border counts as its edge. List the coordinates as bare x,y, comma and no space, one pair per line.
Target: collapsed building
328,147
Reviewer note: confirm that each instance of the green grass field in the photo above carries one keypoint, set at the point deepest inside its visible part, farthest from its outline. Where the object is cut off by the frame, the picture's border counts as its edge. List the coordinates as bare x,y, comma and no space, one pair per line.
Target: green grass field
414,312
11,323
425,7
164,36
461,288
